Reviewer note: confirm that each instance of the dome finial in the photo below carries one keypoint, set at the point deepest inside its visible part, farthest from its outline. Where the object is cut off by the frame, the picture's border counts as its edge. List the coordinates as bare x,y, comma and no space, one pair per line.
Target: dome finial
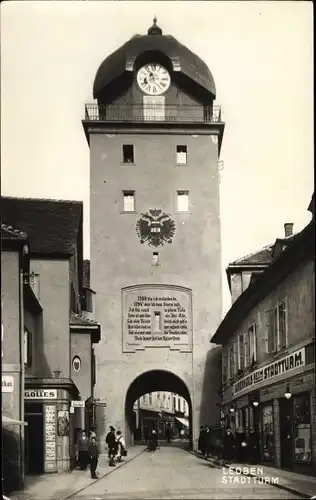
154,29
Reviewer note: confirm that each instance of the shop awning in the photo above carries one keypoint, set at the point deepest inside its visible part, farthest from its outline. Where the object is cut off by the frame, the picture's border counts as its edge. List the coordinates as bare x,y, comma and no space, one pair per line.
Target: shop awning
7,421
183,421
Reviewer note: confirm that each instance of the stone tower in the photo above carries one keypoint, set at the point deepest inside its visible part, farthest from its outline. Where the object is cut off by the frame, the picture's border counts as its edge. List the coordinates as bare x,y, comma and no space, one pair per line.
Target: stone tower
155,136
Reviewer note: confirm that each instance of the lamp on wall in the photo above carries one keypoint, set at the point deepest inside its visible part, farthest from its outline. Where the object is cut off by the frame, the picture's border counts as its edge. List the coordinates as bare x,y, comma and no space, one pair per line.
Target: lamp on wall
231,410
287,393
255,403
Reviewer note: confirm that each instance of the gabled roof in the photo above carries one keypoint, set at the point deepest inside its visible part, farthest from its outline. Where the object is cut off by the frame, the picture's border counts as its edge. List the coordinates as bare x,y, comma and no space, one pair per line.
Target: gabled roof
302,247
80,324
52,226
262,256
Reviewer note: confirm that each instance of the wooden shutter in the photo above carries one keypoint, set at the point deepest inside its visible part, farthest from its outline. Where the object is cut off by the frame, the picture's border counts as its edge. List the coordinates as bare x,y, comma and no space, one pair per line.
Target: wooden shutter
282,324
235,354
241,361
270,331
246,349
224,367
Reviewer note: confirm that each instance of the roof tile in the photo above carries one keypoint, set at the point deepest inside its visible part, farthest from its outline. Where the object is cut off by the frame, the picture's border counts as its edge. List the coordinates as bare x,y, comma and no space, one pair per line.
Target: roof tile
51,225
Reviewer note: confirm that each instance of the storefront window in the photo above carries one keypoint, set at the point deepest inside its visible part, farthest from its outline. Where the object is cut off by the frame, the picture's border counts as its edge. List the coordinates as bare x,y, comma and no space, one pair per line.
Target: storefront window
267,433
302,428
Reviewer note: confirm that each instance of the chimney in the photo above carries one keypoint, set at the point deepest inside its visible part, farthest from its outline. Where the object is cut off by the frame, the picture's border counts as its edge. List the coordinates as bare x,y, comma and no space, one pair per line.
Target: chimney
288,229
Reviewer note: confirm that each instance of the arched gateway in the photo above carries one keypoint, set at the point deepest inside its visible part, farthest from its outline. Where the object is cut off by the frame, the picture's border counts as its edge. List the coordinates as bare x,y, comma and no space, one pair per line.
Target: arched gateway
152,381
155,134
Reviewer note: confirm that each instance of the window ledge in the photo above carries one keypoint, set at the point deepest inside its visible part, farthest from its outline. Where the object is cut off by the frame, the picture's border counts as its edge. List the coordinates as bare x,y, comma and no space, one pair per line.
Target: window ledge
128,212
181,164
127,164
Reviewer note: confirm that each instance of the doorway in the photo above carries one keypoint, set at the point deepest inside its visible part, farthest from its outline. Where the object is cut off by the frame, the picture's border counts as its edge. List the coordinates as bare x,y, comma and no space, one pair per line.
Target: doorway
286,432
34,439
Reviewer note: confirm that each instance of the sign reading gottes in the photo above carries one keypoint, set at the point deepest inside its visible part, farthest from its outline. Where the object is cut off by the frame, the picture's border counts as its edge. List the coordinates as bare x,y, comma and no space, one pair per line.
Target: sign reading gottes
155,316
40,394
271,371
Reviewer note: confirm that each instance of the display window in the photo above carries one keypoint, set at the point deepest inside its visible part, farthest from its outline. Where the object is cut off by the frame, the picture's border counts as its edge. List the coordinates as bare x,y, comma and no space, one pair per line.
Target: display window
267,434
302,428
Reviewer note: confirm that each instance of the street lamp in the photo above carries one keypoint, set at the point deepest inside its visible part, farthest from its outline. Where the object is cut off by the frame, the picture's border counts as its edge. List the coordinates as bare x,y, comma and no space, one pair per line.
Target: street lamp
287,393
232,410
255,403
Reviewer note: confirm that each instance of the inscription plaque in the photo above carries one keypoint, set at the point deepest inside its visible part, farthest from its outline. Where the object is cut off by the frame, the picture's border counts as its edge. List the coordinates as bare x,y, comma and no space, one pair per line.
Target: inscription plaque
157,316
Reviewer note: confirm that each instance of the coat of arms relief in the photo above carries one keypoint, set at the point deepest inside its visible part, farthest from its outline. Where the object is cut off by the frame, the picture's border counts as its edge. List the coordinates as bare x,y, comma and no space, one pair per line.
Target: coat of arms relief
155,227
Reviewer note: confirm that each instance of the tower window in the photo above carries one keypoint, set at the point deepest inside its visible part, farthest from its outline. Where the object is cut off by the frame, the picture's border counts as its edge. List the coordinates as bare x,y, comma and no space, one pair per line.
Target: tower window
182,155
129,201
155,259
183,201
128,153
157,322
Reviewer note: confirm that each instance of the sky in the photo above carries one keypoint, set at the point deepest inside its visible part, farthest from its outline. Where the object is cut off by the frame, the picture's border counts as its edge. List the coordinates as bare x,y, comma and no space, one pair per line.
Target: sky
260,54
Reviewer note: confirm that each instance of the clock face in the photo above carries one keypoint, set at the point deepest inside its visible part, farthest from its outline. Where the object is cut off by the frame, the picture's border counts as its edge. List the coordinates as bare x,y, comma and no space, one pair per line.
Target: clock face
153,79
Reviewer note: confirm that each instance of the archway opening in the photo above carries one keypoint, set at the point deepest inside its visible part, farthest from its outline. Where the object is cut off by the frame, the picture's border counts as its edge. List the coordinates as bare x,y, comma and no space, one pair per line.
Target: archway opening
160,400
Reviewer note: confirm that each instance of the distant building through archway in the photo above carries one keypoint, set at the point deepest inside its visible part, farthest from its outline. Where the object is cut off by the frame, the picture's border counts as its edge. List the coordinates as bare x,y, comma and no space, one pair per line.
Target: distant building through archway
148,383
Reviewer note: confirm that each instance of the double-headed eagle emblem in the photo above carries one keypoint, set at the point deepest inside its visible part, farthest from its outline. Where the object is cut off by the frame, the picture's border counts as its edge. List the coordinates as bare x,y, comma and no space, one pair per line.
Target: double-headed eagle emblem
155,227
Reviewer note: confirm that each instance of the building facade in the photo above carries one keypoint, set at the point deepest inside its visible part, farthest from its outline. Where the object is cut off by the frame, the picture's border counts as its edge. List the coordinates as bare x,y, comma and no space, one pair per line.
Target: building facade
155,134
160,410
268,358
58,374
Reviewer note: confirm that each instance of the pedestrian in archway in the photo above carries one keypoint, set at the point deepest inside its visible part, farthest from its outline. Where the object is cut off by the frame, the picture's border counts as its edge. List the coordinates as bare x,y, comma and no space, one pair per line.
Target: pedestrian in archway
201,441
153,441
82,447
228,445
169,433
112,446
121,449
208,441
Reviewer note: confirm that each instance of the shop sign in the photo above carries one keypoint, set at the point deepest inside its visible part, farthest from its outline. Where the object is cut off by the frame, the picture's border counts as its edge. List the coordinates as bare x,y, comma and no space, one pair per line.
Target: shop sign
40,394
7,384
78,404
271,371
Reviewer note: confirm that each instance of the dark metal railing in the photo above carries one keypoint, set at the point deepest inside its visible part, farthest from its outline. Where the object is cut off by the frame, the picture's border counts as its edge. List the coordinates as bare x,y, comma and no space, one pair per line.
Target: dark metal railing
152,113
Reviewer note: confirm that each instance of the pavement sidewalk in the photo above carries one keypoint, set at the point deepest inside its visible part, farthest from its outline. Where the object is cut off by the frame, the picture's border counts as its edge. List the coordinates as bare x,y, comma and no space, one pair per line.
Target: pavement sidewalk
65,485
299,484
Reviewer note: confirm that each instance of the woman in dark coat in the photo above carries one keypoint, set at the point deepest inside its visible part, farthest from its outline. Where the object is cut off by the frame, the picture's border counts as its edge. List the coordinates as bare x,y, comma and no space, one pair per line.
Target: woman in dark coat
253,447
83,455
228,445
153,441
201,442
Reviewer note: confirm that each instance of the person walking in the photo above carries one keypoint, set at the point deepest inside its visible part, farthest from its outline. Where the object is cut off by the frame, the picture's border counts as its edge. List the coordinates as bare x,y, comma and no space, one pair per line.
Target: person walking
253,447
201,440
208,441
228,445
168,433
153,441
121,449
82,447
93,452
112,446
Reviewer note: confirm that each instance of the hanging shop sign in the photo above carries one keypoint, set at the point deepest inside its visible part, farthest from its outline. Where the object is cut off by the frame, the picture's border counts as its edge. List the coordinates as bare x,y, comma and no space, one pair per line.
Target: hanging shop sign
40,394
271,371
78,404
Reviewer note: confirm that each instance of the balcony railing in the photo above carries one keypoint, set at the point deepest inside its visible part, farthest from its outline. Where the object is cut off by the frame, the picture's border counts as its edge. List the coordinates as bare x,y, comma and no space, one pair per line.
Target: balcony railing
153,113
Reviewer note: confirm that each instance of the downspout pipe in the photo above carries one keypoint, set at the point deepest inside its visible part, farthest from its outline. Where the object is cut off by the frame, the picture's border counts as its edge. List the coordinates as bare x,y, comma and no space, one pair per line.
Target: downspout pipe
22,368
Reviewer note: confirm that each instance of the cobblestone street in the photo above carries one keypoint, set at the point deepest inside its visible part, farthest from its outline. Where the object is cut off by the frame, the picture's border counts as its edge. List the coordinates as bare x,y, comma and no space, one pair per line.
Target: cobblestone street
175,473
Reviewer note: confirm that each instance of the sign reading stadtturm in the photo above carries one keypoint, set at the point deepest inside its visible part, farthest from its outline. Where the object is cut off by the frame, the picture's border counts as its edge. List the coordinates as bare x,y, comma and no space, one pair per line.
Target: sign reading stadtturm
272,370
157,315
